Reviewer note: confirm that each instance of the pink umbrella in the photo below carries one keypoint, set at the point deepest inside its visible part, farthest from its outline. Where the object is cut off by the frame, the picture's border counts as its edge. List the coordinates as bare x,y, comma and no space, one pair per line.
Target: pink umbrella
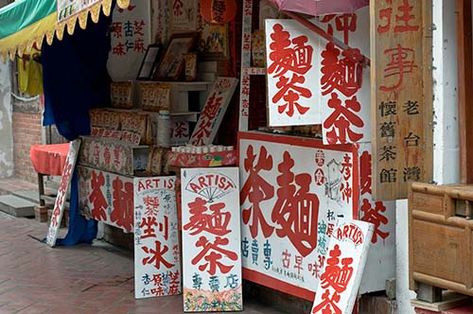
320,7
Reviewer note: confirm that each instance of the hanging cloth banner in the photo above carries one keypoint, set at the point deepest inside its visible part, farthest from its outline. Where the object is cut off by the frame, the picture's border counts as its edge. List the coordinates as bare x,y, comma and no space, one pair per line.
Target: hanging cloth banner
25,24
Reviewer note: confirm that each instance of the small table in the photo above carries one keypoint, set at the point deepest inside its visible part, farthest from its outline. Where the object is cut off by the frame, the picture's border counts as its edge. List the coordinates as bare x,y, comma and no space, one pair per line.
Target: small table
48,160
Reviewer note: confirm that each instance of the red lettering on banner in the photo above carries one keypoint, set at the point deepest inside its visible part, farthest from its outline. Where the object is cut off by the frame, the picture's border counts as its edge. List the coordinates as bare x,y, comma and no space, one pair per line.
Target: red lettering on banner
404,18
345,23
402,61
213,253
256,189
122,212
297,60
97,198
156,256
375,216
211,109
207,218
296,210
365,173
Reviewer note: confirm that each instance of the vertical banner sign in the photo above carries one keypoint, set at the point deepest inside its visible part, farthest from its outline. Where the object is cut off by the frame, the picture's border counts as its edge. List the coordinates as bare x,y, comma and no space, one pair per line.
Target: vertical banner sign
344,263
291,74
344,81
213,111
157,254
60,202
245,63
130,34
68,8
292,192
401,95
380,264
211,240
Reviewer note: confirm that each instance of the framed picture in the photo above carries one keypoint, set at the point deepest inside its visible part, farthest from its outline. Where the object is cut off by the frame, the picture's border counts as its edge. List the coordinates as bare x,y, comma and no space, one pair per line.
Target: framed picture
172,63
148,64
214,42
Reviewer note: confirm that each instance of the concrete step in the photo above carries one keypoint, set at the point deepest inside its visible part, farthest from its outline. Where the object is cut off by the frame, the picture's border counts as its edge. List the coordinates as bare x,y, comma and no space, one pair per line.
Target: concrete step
33,196
16,206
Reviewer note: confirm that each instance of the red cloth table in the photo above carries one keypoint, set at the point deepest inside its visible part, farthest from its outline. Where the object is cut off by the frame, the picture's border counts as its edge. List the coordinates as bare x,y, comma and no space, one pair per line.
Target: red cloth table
49,159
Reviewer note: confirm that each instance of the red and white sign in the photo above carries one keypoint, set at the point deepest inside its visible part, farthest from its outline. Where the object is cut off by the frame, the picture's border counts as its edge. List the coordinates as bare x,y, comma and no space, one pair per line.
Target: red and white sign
211,240
179,132
380,264
292,74
292,192
344,263
107,197
157,254
66,178
213,111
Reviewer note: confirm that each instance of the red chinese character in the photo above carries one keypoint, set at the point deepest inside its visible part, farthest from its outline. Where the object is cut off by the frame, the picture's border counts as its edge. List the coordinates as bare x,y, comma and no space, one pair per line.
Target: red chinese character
96,154
202,132
117,155
57,210
119,49
346,167
180,130
148,223
97,198
341,120
345,23
210,219
156,256
328,304
401,63
212,253
374,216
213,106
345,74
116,29
320,158
139,26
174,283
107,156
404,18
346,191
296,210
296,60
152,205
365,172
122,211
334,276
139,45
256,189
319,177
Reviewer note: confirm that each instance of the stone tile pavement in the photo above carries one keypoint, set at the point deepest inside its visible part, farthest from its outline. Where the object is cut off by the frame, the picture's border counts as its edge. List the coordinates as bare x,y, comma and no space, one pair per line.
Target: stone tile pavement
82,279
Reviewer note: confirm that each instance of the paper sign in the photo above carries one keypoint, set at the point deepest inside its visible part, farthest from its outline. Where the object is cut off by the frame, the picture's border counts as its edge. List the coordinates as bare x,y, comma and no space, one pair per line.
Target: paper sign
157,254
60,202
213,111
211,240
344,263
292,192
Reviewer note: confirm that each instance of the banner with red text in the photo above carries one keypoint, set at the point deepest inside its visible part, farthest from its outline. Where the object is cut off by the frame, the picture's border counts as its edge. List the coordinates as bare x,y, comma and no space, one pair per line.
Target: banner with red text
211,240
292,192
344,264
157,254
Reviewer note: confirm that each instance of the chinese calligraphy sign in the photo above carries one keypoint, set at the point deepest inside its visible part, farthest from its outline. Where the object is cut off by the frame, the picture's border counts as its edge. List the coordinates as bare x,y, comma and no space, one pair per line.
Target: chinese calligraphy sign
344,263
60,202
213,111
402,94
292,76
211,240
292,192
157,253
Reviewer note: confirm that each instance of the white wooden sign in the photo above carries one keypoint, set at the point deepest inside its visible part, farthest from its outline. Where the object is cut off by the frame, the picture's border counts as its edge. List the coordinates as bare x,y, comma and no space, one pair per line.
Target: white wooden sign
344,263
68,8
381,262
60,202
292,76
292,192
213,111
211,240
130,33
157,254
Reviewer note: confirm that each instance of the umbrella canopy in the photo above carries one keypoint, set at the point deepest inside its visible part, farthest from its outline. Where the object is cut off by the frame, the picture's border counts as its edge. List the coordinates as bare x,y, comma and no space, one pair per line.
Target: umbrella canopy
320,7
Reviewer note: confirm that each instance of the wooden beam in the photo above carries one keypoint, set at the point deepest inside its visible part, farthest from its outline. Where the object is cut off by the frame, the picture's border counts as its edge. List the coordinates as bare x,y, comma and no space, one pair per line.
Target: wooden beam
465,89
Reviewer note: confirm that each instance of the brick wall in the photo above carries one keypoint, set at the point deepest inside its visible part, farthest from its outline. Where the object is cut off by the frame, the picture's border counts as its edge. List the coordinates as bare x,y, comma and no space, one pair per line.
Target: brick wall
27,130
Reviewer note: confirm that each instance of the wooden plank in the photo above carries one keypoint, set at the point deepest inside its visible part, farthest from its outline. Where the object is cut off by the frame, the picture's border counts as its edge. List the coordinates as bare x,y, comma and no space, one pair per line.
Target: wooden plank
401,76
450,301
465,92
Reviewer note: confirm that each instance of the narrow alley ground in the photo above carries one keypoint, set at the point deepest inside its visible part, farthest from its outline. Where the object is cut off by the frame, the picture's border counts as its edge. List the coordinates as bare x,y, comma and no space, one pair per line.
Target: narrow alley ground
81,279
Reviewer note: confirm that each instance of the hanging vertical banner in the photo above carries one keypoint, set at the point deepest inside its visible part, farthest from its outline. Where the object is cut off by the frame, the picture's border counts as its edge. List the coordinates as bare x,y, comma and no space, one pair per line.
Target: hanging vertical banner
184,15
245,63
60,202
401,76
157,254
292,76
292,192
380,264
211,240
344,80
213,111
344,263
130,36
